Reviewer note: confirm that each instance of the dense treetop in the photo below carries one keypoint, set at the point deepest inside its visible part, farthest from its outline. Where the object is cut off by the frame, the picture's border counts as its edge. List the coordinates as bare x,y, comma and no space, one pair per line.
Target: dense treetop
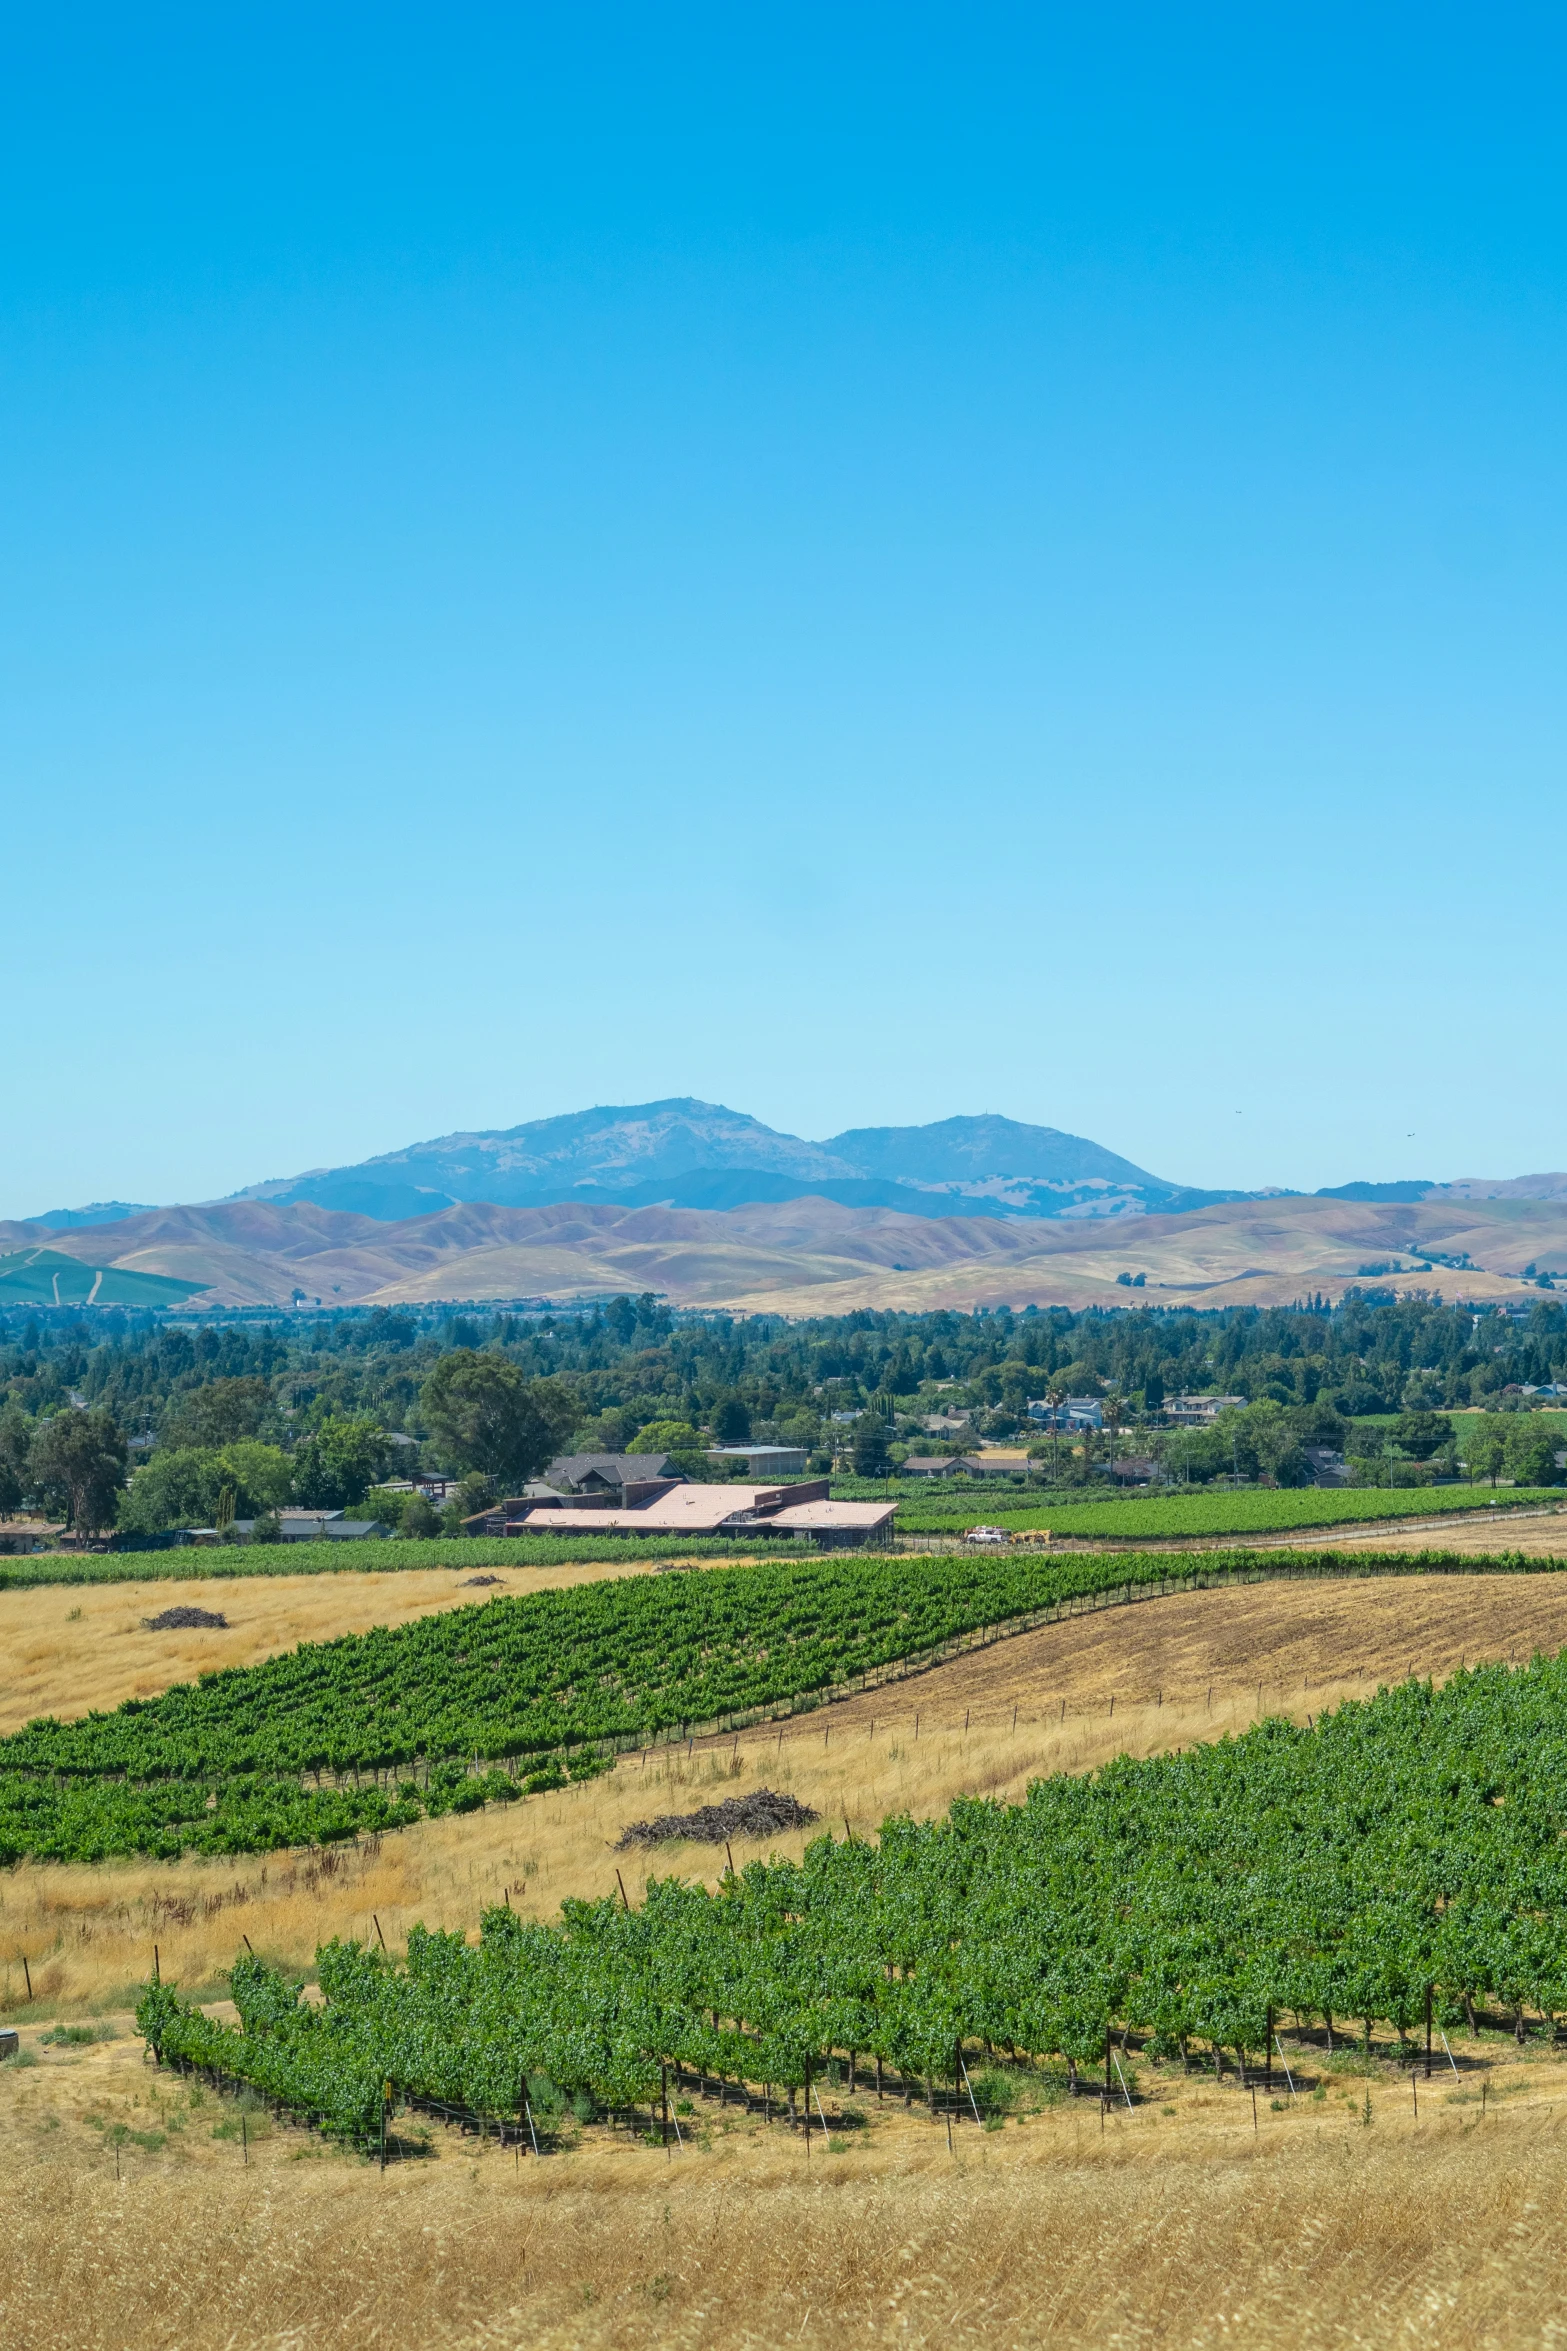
331,1397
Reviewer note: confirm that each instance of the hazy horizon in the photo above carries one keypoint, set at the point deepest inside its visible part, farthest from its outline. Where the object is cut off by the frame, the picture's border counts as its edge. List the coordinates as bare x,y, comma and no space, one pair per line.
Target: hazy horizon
834,563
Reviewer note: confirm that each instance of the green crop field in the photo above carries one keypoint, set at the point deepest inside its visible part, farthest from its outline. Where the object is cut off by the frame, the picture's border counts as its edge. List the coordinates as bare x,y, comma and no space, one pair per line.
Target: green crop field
1402,1858
484,1703
1251,1511
47,1277
198,1562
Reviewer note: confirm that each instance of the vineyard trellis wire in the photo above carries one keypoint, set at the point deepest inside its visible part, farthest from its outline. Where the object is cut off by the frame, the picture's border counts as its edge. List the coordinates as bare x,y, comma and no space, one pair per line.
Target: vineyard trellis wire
516,1695
1409,1848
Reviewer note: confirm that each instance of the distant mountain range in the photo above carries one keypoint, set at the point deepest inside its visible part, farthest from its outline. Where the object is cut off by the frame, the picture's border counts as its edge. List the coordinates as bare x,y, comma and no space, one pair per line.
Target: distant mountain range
688,1154
683,1154
96,1212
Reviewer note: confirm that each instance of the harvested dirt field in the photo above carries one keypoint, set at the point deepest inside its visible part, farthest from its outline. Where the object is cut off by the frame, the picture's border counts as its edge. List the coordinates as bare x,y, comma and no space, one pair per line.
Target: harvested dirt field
135,2222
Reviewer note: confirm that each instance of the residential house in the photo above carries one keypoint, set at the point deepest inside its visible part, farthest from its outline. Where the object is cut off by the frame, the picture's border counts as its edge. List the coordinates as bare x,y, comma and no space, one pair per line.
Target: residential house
671,1506
606,1475
1196,1412
991,1465
1078,1412
306,1526
763,1461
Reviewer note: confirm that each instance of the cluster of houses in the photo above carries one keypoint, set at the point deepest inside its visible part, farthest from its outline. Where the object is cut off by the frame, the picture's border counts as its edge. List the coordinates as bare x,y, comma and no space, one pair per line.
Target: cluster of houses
1072,1416
643,1494
1087,1412
640,1494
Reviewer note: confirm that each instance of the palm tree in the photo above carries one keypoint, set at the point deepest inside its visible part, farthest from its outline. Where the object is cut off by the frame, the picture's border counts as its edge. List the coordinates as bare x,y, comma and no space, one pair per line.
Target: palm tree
1114,1412
1055,1397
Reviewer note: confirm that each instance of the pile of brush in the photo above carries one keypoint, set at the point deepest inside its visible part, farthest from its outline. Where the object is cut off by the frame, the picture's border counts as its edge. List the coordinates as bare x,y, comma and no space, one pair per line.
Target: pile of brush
761,1814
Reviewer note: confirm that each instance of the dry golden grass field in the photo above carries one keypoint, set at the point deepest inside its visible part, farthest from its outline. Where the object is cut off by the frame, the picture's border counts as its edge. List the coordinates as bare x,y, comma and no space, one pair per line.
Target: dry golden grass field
134,2223
1133,1680
71,1647
1182,2222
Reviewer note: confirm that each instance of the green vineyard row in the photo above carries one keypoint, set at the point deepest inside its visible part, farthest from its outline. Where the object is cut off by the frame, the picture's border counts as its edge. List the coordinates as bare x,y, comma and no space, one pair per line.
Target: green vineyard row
1406,1847
485,1703
1248,1512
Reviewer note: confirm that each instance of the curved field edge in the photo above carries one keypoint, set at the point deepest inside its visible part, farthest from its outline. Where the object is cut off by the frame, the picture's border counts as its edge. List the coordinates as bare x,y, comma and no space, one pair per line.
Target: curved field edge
373,1731
1229,1514
1401,1861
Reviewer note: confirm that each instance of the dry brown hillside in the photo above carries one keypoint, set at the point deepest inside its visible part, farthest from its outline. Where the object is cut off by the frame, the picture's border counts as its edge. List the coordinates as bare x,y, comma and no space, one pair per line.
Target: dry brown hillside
812,1256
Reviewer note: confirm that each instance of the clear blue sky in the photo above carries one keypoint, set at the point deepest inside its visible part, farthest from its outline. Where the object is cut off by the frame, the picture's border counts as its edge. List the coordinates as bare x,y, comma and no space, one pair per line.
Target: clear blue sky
860,563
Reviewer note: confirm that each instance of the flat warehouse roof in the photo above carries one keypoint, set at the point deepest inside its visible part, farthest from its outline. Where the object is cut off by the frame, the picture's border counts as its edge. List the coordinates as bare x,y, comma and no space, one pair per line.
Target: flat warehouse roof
804,1515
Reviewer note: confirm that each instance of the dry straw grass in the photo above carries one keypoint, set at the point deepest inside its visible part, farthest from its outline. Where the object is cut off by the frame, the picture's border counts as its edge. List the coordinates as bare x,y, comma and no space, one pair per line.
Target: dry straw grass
1134,1680
1178,2224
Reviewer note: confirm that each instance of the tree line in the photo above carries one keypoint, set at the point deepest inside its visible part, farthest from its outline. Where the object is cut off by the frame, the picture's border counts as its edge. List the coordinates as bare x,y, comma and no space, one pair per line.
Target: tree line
240,1415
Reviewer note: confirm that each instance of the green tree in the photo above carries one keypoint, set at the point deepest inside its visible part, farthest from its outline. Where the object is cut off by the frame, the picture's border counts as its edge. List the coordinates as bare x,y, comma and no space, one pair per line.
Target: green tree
388,1508
731,1421
420,1517
217,1413
76,1464
484,1415
1485,1447
183,1486
261,1475
1280,1453
336,1466
16,1437
474,1493
1531,1452
871,1456
1318,1424
1420,1434
666,1436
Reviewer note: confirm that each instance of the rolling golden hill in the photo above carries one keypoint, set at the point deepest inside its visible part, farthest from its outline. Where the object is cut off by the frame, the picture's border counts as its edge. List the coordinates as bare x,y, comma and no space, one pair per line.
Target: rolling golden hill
812,1256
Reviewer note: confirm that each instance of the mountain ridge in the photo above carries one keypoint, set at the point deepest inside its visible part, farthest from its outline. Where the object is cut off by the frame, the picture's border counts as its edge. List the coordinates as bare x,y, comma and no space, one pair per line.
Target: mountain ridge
702,1154
683,1153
